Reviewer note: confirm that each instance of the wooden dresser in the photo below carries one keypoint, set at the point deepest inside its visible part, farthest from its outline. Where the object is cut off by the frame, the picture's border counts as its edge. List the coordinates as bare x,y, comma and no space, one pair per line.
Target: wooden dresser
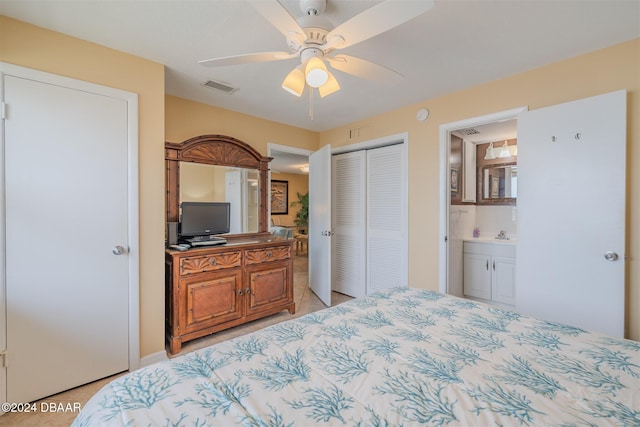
214,288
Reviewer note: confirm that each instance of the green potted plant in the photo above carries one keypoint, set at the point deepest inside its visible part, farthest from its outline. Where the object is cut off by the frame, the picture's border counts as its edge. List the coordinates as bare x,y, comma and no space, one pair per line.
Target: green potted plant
302,216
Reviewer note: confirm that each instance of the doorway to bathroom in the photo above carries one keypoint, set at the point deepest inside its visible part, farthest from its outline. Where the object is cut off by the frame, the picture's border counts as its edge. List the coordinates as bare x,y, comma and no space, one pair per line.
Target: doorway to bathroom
478,200
480,188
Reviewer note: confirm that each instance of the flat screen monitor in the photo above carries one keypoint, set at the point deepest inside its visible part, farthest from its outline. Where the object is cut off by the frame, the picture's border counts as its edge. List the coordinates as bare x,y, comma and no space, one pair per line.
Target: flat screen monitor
204,218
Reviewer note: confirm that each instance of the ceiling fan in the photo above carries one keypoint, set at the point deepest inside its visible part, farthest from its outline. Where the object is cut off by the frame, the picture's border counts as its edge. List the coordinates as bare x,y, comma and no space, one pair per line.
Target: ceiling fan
315,45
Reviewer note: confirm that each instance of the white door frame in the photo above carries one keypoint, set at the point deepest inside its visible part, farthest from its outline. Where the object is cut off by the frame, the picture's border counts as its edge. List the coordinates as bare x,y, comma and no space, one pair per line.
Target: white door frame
132,216
445,194
284,149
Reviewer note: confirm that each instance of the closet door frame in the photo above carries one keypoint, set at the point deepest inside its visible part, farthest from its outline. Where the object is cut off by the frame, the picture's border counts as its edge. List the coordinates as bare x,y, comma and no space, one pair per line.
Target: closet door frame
401,139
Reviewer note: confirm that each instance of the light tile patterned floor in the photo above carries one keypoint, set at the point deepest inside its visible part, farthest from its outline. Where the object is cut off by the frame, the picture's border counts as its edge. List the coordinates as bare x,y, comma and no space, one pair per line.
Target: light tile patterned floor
306,302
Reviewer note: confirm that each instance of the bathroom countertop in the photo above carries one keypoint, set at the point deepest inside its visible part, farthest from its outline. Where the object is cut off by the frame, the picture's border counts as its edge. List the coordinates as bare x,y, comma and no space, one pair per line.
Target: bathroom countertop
510,241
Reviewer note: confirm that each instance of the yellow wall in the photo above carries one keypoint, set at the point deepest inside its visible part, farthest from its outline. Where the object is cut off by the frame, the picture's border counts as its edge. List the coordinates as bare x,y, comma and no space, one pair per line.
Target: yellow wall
186,119
298,183
607,70
175,119
29,46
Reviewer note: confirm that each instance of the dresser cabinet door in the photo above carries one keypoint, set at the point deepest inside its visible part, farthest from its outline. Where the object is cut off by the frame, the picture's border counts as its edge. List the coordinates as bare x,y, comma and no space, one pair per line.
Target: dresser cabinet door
268,285
211,299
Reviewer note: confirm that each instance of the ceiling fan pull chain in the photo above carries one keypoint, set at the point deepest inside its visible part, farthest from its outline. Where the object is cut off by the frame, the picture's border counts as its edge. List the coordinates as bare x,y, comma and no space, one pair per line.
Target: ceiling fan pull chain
311,103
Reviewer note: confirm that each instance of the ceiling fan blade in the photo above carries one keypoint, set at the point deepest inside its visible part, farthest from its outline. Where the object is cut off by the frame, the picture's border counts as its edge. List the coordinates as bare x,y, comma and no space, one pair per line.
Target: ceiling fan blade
278,16
378,19
247,59
365,69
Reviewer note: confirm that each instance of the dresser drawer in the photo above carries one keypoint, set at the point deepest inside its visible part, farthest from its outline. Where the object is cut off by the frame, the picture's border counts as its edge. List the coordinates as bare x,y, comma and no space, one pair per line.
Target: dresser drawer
199,264
275,253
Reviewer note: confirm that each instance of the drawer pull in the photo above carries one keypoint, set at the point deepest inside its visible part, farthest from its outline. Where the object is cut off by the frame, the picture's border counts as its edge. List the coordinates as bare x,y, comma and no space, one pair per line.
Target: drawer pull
239,291
247,291
212,261
487,264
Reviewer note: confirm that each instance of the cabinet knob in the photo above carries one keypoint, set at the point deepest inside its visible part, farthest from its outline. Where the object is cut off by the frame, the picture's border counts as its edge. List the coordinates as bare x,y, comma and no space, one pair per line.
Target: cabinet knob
239,291
269,254
247,291
212,261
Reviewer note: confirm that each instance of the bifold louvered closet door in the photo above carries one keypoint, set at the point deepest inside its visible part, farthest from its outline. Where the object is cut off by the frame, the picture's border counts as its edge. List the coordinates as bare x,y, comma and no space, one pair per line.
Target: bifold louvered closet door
369,221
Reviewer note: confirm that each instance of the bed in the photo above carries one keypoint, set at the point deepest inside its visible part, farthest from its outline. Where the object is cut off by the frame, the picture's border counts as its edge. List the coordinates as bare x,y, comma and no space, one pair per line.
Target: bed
400,357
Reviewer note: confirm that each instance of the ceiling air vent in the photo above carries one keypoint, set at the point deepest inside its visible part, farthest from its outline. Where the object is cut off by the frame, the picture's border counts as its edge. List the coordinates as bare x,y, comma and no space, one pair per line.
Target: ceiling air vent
468,131
222,87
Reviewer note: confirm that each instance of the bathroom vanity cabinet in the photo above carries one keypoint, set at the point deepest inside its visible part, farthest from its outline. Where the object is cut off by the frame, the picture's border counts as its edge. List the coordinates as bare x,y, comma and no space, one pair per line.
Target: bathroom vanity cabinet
489,271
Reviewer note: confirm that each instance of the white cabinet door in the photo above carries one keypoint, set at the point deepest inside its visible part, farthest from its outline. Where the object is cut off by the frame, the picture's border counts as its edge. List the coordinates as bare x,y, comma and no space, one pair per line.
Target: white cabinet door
503,278
469,158
477,276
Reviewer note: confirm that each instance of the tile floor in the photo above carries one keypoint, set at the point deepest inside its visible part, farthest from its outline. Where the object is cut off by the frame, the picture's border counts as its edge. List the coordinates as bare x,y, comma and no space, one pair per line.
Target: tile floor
306,302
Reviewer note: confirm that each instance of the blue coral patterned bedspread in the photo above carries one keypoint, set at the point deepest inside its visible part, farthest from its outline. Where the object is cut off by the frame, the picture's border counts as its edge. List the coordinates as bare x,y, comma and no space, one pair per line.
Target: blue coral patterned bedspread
401,357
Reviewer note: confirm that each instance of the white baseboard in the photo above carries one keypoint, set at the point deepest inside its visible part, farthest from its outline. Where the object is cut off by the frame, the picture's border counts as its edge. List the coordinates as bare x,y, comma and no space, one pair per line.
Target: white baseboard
160,356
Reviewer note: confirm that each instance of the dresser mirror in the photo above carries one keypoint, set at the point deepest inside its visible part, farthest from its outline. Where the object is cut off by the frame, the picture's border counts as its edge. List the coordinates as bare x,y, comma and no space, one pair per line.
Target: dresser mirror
215,168
211,183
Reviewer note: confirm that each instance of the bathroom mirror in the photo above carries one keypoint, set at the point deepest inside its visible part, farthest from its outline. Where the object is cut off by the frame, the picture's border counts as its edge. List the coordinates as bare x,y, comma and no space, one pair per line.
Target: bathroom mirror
498,184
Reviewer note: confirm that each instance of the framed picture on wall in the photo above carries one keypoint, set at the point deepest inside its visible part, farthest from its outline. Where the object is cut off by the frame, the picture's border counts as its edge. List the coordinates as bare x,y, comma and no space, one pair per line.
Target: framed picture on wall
454,180
279,197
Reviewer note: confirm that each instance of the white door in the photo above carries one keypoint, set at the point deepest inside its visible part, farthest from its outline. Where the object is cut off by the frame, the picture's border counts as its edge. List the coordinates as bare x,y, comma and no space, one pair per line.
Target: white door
66,211
349,195
320,223
235,195
571,213
387,255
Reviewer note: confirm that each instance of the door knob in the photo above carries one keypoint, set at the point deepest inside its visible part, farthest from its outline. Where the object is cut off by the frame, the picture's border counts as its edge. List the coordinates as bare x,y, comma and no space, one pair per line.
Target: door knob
611,256
118,250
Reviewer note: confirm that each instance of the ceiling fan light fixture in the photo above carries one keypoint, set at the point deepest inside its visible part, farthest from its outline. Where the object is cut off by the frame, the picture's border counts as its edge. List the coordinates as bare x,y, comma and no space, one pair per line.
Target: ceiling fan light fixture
329,87
316,72
294,82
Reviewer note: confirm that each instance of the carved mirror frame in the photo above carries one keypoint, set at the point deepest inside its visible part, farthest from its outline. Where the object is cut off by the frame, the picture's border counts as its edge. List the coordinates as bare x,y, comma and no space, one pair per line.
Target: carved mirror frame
218,150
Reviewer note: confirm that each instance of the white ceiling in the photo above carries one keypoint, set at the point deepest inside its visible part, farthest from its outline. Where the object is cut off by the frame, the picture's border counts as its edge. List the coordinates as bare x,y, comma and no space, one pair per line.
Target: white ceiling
456,45
284,162
490,132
